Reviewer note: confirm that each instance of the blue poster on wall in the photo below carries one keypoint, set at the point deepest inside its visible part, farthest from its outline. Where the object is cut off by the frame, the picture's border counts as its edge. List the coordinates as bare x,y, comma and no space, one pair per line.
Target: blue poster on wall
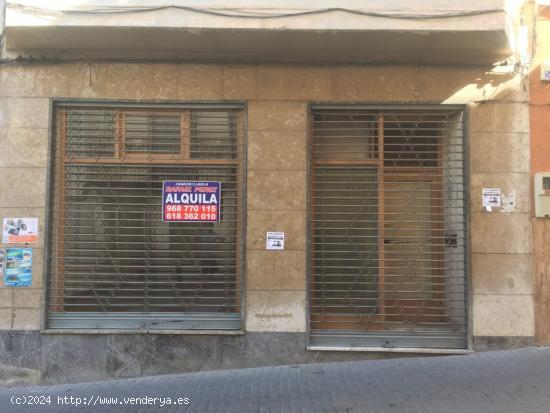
191,201
18,267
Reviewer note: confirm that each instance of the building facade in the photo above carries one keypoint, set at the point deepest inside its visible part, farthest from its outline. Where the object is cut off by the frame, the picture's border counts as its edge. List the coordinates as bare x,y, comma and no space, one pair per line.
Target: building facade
225,186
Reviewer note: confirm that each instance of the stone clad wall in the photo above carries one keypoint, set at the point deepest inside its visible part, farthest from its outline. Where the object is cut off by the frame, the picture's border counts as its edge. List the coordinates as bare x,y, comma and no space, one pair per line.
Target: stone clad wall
501,243
276,191
277,99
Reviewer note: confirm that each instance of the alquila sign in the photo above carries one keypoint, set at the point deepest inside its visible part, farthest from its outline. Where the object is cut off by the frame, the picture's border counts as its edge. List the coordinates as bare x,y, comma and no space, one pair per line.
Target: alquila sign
191,201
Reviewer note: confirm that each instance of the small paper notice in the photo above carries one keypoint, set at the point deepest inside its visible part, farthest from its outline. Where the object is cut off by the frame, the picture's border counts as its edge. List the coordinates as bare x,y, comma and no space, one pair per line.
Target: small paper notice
275,241
19,230
491,199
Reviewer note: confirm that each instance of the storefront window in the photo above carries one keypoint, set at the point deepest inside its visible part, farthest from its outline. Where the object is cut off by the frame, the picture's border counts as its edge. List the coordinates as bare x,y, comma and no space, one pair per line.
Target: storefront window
113,260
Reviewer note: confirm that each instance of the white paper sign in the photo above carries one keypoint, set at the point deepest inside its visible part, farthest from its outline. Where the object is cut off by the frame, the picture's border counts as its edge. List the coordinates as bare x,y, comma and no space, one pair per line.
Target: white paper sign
275,241
491,199
19,230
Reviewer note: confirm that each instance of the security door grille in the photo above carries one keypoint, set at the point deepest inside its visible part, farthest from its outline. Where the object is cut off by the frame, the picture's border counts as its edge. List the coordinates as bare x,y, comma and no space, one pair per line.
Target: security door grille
113,262
387,227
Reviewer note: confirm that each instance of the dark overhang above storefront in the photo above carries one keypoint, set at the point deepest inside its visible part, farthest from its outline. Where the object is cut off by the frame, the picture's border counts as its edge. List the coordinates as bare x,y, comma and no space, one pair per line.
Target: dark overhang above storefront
354,32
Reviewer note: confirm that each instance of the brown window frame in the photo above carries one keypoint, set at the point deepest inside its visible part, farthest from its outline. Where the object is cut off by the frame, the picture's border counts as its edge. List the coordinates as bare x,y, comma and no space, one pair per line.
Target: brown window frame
61,160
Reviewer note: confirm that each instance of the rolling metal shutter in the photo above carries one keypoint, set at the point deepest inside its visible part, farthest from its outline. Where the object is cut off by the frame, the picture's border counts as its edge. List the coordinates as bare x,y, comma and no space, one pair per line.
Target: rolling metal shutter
112,261
387,265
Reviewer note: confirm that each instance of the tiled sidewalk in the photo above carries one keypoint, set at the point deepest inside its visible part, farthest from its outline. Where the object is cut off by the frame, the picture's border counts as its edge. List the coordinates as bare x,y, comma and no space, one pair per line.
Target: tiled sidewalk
515,381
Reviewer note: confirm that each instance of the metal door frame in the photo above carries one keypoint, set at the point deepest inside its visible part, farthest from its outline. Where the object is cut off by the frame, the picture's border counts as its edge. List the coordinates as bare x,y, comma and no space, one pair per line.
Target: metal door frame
464,108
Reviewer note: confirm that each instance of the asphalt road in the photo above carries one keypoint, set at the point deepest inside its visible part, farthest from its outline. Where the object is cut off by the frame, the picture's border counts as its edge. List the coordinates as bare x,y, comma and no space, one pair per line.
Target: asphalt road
515,381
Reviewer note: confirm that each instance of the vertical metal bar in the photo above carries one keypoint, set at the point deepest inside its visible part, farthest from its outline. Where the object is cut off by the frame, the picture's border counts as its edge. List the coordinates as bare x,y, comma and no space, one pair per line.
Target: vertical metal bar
239,213
381,217
185,148
120,136
468,299
243,198
310,217
58,285
48,218
438,210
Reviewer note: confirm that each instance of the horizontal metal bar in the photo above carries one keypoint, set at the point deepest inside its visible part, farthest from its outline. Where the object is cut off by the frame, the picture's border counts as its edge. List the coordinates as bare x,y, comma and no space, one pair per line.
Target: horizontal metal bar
180,303
121,238
153,281
420,279
150,242
333,307
143,321
372,119
152,106
147,288
150,260
97,265
316,107
93,277
359,322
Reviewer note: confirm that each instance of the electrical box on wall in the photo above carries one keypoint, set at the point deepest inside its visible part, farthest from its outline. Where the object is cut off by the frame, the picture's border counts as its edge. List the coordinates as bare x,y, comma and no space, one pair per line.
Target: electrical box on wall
542,194
545,71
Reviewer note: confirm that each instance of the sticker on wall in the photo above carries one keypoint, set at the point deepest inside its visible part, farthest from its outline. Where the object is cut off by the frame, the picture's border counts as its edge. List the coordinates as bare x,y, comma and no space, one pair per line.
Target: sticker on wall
1,263
191,201
18,267
491,199
508,201
275,241
19,230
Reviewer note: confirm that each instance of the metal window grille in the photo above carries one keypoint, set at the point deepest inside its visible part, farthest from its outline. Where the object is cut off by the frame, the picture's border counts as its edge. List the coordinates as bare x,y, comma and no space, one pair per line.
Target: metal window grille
112,261
387,227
